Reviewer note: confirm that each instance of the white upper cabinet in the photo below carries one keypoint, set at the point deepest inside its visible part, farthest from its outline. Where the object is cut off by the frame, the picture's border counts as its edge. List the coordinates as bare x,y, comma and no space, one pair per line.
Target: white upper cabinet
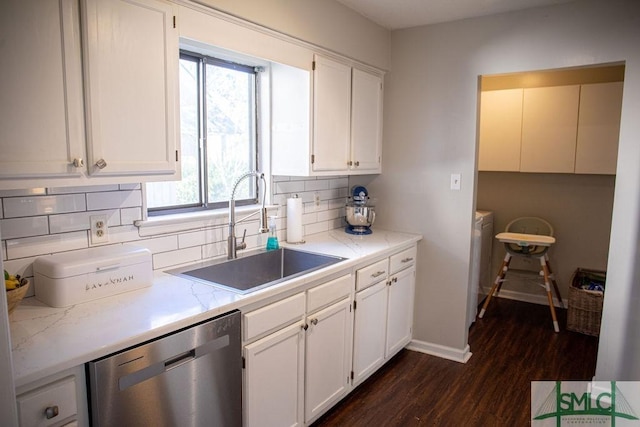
366,122
131,66
331,115
599,128
500,130
549,129
326,121
41,109
57,123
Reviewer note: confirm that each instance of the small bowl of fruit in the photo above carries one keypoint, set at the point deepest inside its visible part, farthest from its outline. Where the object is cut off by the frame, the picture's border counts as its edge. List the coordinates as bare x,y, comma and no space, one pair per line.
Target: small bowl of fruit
16,288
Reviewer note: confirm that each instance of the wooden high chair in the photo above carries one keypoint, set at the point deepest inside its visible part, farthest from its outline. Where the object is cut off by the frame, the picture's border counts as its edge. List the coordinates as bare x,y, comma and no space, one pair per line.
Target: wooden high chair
527,237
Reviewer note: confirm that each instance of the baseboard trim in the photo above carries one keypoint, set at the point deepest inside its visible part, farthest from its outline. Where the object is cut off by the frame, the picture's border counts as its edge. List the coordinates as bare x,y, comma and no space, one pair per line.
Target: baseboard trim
450,353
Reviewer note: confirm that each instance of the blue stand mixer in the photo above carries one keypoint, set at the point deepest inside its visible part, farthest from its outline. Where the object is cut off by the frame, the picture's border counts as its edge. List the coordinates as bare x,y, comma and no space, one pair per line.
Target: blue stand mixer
359,213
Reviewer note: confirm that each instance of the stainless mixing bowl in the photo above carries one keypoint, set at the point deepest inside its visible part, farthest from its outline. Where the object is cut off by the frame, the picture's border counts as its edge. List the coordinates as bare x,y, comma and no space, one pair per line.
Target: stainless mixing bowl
360,216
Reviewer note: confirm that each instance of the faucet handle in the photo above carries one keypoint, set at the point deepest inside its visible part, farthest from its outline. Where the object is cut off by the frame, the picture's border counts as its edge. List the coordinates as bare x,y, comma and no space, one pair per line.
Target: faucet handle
242,244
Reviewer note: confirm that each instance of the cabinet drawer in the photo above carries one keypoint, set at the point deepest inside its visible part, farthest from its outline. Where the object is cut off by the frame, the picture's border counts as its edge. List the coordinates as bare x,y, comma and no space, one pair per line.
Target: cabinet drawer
402,260
273,316
57,397
367,276
329,292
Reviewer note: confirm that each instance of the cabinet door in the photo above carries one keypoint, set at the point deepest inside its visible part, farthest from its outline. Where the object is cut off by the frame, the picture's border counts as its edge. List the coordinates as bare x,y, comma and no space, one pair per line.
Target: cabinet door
369,331
366,122
41,113
274,378
400,311
599,128
332,115
328,357
131,73
500,130
549,129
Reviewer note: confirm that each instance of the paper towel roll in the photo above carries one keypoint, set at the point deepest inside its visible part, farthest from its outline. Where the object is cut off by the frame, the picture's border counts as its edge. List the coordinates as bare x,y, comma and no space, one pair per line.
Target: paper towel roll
294,220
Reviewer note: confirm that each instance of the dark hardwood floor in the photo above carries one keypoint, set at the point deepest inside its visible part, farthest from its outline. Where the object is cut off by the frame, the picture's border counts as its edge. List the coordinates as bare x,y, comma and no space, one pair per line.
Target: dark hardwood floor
513,345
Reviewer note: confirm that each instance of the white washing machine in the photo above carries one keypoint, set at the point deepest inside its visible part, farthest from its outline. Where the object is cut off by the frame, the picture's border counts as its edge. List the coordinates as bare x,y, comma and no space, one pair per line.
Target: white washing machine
486,273
480,262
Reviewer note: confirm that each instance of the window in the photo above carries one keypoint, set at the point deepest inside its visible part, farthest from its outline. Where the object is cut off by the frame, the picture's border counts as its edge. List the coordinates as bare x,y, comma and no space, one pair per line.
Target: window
218,122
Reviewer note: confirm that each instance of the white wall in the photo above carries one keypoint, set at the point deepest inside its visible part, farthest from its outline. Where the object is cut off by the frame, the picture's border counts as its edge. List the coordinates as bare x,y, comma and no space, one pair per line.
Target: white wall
325,23
430,132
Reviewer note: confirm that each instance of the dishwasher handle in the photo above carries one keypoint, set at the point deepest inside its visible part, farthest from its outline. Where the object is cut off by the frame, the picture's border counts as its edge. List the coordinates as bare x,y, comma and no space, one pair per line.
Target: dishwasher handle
161,367
180,359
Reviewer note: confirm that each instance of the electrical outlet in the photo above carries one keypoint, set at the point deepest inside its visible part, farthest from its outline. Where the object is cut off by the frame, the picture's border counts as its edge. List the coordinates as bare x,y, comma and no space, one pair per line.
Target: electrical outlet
99,229
316,199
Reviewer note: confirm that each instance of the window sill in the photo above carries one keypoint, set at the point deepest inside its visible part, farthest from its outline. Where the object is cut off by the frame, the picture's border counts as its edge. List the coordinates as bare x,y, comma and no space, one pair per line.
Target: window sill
175,223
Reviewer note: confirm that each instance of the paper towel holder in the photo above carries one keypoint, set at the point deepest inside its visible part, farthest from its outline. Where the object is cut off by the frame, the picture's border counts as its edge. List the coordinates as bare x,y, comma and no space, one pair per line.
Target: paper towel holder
301,241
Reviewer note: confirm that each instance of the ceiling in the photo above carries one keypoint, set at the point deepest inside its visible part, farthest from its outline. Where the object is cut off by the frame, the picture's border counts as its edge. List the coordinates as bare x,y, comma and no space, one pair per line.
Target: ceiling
397,14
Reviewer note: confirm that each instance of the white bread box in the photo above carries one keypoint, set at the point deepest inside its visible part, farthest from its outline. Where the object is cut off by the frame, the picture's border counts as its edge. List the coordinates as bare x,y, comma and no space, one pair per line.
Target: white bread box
75,277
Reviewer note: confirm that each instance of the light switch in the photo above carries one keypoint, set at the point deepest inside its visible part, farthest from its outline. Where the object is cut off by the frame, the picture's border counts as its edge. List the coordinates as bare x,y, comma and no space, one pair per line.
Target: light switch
455,181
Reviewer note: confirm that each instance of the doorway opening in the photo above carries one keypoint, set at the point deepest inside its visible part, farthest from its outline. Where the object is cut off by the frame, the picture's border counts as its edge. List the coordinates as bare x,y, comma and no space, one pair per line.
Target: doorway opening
547,147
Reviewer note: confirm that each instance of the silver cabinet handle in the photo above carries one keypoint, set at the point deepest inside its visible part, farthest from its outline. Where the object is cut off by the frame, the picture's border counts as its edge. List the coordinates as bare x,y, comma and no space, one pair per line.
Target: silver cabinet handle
314,321
78,162
378,273
406,260
101,164
51,412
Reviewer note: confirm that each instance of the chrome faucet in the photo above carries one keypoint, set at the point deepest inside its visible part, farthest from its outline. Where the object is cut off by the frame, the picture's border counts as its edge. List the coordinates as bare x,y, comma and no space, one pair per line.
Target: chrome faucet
232,244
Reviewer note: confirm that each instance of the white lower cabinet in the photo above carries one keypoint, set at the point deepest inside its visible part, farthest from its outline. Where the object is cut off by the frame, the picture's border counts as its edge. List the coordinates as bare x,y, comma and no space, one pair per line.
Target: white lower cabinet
383,312
328,357
307,351
302,366
400,311
274,371
369,331
59,400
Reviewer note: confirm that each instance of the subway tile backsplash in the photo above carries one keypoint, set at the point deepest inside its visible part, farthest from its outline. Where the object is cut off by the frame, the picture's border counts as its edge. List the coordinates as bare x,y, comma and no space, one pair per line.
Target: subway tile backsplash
39,221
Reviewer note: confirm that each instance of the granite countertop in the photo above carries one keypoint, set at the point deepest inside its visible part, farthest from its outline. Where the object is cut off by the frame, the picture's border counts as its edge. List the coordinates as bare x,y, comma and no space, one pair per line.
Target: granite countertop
47,340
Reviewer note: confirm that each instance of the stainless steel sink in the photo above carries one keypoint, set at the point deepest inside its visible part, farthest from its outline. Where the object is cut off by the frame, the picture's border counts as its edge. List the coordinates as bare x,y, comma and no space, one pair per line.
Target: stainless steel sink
257,271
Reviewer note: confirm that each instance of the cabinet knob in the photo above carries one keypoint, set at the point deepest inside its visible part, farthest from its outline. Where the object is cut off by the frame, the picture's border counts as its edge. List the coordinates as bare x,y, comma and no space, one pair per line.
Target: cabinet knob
349,163
357,163
51,412
304,327
78,162
314,321
101,164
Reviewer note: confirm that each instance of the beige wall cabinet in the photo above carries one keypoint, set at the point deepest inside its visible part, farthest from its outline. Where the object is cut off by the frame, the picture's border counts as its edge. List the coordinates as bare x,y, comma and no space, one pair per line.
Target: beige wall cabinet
558,129
549,128
599,128
500,130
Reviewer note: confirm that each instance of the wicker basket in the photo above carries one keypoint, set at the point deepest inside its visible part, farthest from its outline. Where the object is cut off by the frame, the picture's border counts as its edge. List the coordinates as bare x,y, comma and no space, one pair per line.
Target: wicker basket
15,296
585,307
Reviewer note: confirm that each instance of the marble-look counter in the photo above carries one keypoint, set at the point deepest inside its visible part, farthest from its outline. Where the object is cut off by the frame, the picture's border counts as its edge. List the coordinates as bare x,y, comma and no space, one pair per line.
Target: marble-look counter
48,340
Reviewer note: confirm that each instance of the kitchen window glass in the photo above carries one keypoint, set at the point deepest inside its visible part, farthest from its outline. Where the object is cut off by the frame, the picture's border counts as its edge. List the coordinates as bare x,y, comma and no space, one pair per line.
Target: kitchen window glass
218,118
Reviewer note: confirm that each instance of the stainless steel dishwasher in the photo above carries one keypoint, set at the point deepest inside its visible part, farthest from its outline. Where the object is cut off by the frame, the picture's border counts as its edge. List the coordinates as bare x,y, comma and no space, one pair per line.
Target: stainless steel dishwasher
189,378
